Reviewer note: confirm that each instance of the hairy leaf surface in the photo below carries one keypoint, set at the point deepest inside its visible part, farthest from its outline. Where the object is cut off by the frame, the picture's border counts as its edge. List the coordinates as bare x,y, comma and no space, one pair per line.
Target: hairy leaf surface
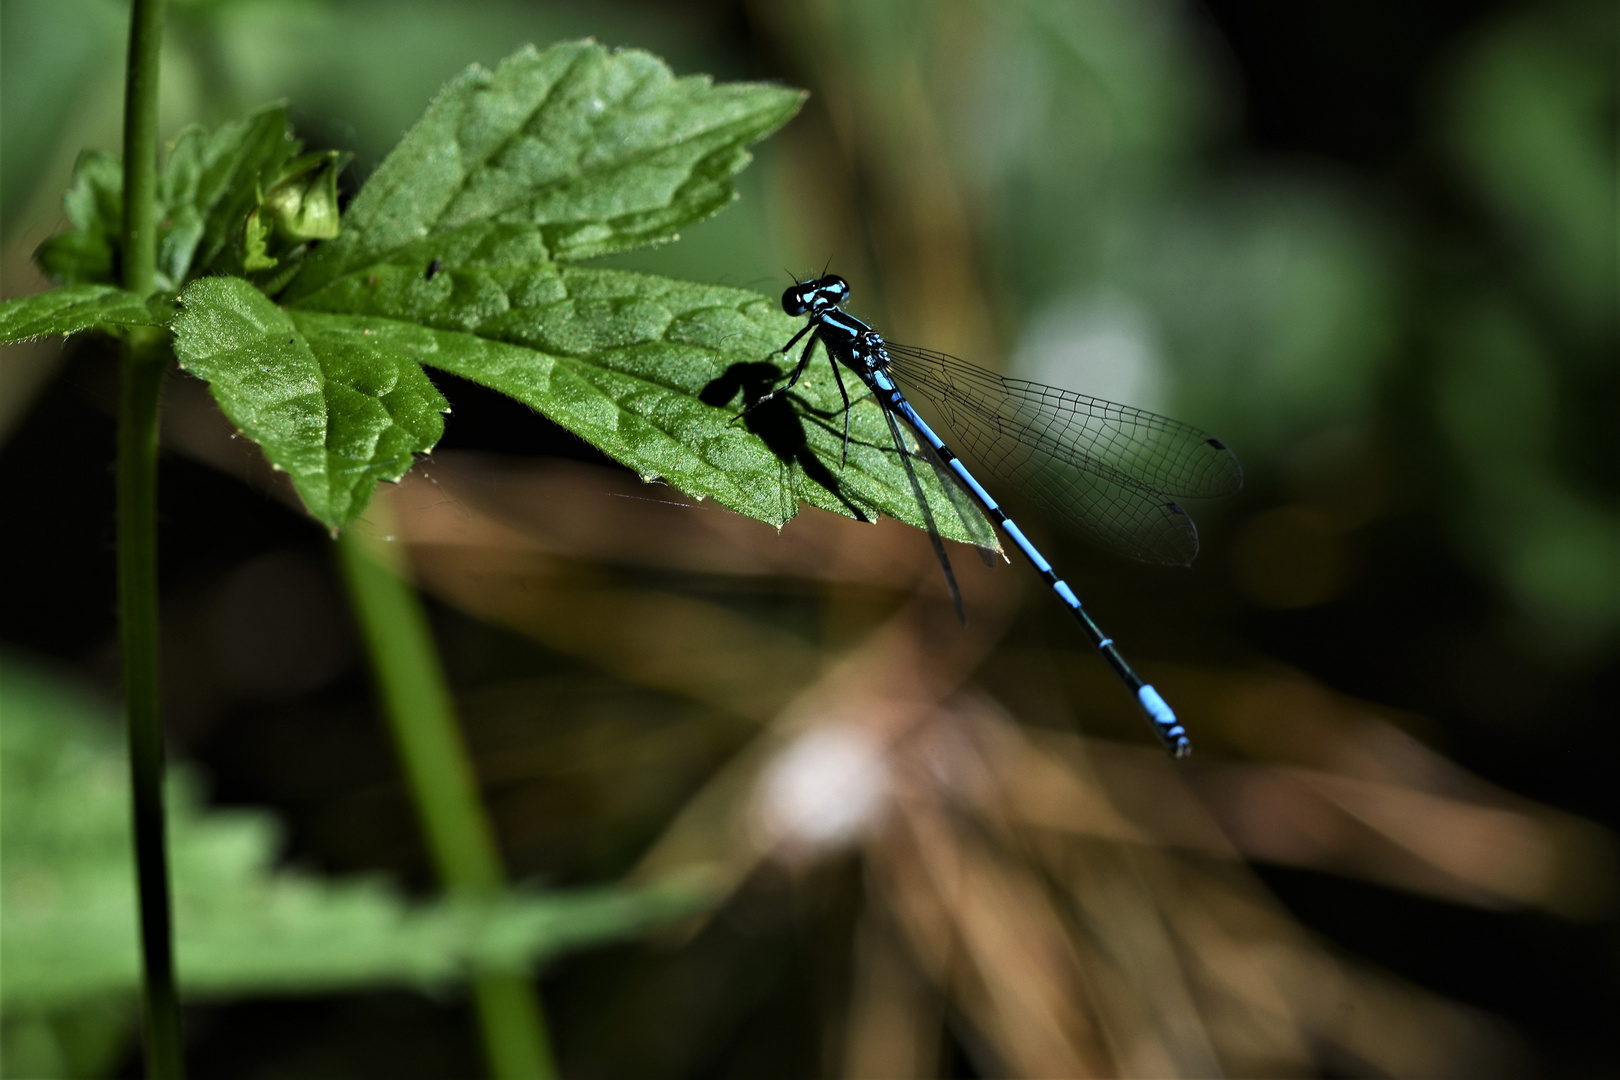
653,372
597,151
80,307
334,406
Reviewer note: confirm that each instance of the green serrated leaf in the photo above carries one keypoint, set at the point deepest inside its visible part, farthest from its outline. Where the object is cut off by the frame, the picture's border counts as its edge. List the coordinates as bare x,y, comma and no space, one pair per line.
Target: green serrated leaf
599,151
335,407
74,308
243,926
651,371
447,258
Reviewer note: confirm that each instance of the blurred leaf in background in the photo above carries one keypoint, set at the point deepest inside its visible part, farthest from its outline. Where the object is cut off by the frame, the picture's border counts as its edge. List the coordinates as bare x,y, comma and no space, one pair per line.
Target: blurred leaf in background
1255,303
244,927
1526,335
48,60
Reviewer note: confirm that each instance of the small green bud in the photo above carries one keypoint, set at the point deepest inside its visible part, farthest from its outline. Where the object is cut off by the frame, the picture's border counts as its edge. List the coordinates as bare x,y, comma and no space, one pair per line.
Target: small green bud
303,200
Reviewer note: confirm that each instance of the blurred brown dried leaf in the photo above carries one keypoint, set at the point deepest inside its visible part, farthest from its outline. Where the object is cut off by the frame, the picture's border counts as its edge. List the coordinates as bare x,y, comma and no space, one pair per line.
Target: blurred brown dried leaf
1056,892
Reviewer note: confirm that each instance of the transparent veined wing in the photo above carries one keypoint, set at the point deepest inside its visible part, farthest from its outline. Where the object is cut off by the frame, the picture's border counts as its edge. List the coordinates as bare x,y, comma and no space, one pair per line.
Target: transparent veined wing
1109,471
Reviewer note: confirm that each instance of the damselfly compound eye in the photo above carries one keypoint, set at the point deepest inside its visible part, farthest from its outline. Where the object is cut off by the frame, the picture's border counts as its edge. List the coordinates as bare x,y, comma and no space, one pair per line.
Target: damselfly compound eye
794,300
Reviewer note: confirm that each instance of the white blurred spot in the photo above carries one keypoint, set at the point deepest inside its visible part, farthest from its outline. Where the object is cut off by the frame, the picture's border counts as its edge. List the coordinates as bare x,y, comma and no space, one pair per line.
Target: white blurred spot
1104,346
823,788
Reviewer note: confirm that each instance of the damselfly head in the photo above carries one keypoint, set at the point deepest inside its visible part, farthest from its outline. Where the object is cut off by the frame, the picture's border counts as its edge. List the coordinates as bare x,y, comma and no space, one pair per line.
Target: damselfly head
814,297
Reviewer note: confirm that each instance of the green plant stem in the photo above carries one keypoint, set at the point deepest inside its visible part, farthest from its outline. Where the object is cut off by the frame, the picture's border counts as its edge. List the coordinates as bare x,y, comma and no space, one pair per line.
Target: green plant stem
145,358
139,247
144,363
416,699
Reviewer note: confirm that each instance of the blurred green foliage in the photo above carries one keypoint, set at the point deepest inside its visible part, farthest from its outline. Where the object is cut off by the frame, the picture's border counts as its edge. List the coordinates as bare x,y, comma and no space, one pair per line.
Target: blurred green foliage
1264,294
1526,336
49,55
1272,305
245,927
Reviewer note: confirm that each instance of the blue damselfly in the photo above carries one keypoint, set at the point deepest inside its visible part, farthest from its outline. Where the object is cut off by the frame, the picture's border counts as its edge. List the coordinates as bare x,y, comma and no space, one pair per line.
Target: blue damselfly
1109,471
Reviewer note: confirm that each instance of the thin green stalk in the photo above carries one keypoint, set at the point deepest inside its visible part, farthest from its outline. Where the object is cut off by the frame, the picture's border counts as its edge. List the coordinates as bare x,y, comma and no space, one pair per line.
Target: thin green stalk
145,358
144,364
421,714
139,247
